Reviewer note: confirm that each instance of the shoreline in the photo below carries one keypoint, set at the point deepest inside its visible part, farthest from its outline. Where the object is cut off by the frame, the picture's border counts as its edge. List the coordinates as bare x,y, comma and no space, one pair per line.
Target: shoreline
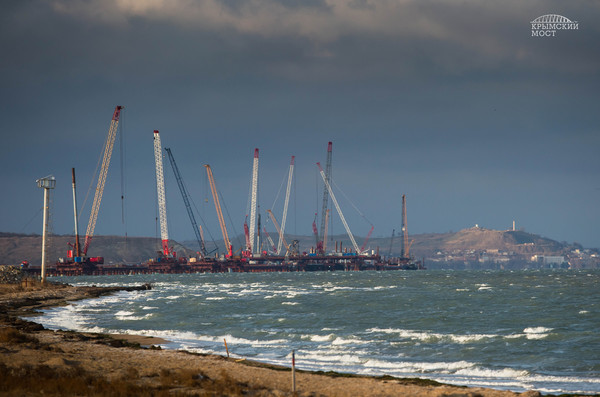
39,361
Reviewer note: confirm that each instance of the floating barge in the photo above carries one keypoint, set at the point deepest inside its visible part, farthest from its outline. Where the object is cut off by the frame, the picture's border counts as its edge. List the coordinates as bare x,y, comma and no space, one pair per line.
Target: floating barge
302,263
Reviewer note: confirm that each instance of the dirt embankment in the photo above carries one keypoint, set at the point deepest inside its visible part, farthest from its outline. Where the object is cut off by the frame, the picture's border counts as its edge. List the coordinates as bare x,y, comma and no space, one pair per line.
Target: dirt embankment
35,361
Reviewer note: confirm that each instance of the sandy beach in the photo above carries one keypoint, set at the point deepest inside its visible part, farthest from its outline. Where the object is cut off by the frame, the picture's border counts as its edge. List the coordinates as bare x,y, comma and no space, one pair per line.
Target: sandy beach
36,361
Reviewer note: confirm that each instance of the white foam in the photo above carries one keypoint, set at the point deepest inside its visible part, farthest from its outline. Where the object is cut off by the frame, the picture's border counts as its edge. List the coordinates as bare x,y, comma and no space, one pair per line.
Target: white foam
290,303
344,341
319,338
432,337
535,333
505,373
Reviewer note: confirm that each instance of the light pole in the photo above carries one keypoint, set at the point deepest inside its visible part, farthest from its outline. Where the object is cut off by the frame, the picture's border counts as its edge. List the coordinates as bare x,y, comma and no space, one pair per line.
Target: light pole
46,183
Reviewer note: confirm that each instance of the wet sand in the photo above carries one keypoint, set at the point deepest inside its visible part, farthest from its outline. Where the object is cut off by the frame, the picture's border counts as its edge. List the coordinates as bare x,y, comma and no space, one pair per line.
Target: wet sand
35,361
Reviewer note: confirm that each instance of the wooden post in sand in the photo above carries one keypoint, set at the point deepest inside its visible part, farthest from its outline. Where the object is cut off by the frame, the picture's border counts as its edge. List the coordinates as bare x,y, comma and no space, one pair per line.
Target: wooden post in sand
226,349
294,372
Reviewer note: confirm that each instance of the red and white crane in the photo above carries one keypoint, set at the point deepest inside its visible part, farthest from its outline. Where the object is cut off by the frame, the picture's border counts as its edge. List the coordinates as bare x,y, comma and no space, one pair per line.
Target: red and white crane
160,190
215,194
108,149
254,203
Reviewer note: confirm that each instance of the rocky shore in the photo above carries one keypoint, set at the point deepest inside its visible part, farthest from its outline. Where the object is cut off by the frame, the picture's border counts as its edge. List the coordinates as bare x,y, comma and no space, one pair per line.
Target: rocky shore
36,361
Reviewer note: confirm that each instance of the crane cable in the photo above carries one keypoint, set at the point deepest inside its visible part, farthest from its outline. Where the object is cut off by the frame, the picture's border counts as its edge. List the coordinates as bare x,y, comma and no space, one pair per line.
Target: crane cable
350,201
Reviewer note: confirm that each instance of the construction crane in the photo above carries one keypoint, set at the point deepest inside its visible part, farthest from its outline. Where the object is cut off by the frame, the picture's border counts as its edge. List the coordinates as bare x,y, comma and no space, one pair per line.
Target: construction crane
320,247
108,149
215,194
325,234
362,249
248,251
273,248
405,247
276,224
162,203
76,247
337,207
391,243
316,232
285,205
186,201
254,202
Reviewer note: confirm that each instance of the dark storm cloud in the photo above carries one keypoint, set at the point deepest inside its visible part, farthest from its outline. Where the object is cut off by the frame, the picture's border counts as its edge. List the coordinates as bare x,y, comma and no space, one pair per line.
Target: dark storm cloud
452,101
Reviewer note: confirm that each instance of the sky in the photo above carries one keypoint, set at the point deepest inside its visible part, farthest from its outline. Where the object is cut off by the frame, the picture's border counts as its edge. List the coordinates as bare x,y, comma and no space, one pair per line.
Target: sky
453,104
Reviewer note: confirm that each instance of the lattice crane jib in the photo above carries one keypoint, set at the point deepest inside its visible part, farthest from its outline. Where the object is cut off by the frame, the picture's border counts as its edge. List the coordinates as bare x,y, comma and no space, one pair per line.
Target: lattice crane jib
107,153
160,190
254,202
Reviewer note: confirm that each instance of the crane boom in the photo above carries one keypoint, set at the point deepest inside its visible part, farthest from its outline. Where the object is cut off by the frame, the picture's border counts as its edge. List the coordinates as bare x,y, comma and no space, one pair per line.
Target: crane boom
186,201
367,239
285,205
269,239
325,197
108,148
325,233
160,190
253,203
278,229
215,194
405,248
391,243
337,207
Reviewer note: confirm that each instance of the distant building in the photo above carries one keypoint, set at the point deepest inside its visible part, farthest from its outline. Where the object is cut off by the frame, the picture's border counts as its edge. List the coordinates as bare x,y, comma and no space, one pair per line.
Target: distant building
546,260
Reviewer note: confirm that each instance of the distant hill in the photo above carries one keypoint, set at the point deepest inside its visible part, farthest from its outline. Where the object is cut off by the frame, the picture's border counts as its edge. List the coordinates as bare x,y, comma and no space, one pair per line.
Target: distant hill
15,248
426,245
480,239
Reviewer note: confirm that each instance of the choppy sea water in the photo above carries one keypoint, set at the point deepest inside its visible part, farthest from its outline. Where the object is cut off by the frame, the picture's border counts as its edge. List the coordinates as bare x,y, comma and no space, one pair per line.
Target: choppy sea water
517,330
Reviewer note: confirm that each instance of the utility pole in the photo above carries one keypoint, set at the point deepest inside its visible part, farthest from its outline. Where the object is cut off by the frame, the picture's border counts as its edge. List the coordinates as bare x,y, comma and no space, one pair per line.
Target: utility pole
45,183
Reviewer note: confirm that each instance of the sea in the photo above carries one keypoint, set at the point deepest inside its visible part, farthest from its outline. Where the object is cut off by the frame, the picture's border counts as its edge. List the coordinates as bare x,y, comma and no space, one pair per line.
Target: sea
510,330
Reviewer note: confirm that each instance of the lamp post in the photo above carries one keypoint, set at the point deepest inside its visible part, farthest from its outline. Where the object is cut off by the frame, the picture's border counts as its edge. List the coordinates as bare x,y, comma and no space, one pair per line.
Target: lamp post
46,183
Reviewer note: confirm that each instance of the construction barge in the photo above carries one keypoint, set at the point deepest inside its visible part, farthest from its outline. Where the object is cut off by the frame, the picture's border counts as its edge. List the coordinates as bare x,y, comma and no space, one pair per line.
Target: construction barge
255,256
304,263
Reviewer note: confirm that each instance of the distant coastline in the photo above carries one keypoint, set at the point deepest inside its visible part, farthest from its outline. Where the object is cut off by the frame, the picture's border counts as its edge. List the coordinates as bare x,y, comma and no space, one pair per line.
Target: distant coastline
473,248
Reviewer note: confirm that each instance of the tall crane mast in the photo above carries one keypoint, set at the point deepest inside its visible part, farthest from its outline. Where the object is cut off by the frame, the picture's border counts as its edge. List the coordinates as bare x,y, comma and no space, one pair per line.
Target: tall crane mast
320,247
215,194
285,205
160,190
405,246
108,149
337,207
77,247
186,201
325,234
254,202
